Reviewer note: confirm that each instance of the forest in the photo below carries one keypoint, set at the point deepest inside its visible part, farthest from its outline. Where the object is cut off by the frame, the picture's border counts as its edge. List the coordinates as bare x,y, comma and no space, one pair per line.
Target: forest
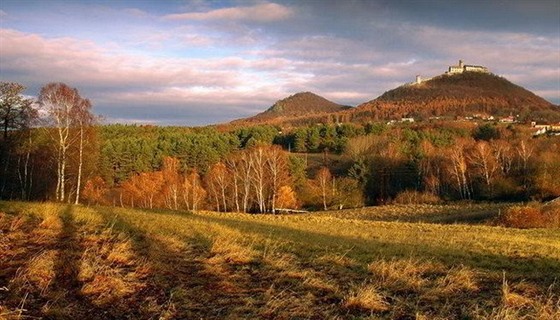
57,149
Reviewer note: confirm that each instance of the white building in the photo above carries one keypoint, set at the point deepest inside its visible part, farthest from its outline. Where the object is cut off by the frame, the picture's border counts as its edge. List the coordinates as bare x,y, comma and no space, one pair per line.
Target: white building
461,67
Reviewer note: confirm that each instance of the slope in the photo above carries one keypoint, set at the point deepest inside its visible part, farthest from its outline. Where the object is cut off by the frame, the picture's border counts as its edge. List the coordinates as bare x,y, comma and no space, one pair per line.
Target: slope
459,95
300,106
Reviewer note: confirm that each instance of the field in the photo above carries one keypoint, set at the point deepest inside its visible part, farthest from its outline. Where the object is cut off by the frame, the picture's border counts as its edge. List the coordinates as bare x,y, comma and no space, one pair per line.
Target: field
394,262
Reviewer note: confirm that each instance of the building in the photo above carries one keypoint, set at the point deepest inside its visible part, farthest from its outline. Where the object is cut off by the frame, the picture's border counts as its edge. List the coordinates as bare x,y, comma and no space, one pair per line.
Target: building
461,67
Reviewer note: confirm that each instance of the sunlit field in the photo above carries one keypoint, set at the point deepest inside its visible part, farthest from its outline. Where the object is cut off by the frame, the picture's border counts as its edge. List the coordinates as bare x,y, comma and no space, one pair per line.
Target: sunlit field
392,262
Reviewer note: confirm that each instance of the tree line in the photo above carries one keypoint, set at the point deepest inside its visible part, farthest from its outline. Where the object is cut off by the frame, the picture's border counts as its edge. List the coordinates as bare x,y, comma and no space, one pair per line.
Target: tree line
48,145
55,149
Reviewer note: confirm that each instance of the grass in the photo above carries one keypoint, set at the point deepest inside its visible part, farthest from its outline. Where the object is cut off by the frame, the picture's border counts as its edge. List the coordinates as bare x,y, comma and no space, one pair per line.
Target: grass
394,262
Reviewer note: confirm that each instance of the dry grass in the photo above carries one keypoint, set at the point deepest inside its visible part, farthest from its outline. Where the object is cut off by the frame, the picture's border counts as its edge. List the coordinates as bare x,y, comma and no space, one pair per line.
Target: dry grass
60,261
367,297
38,274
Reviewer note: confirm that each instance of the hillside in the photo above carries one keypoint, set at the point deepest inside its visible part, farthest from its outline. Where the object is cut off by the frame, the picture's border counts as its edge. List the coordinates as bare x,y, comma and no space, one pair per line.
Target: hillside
462,94
61,261
295,108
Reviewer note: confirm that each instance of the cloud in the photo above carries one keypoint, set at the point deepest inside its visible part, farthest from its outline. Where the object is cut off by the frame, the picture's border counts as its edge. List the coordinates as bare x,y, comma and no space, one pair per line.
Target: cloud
264,12
115,80
226,63
136,12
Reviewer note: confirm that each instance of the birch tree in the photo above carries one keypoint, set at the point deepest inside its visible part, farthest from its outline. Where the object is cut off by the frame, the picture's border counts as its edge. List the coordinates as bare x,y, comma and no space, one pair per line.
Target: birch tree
83,119
66,110
324,181
277,166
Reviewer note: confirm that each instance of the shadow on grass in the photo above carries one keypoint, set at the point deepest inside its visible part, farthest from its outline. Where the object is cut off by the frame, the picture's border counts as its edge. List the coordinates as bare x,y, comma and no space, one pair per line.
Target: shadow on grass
181,278
66,283
541,270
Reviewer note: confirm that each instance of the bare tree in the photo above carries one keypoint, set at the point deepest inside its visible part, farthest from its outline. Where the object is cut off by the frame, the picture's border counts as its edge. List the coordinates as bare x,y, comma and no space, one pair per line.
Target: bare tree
277,168
324,181
258,175
483,160
246,168
503,154
83,119
218,182
59,100
459,169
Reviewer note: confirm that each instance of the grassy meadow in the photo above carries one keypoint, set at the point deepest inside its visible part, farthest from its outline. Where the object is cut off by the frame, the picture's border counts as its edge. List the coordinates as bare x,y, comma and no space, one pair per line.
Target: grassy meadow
394,262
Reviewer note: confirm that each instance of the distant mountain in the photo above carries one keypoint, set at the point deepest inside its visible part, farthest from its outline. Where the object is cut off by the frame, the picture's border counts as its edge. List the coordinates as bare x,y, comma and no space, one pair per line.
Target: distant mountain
295,108
462,94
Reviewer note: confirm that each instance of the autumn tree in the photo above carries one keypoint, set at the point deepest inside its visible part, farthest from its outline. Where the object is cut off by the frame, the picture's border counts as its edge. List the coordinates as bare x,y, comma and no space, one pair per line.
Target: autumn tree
482,159
458,167
218,182
258,177
66,109
286,198
324,181
277,167
193,192
172,182
95,190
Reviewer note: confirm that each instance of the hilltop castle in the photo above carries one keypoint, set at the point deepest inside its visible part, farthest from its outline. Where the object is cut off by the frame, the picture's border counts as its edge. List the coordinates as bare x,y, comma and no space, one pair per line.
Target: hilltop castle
466,67
460,68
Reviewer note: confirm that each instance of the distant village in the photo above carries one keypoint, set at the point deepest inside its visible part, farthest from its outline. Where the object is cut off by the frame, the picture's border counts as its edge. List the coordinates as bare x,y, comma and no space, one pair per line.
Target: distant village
539,129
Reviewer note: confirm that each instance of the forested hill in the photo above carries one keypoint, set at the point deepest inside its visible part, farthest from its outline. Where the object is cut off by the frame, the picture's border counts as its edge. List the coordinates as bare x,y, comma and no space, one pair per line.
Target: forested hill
458,95
300,106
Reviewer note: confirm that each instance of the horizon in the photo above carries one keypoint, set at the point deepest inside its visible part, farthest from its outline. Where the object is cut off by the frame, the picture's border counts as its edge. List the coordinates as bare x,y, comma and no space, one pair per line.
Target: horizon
197,63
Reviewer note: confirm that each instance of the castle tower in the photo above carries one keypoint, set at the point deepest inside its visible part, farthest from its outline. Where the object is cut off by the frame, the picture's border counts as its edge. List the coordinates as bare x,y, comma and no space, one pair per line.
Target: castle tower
461,64
418,79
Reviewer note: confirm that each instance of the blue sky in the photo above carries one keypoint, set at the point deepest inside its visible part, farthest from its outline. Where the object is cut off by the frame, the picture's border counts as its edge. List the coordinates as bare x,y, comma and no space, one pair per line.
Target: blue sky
204,62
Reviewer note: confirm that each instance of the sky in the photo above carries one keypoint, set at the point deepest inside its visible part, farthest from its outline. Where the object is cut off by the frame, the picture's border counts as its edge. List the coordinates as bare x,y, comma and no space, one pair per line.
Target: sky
196,62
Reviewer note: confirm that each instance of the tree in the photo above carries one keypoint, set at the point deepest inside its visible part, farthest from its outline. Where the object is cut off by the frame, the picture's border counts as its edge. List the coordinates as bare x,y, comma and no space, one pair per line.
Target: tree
170,172
277,167
286,198
95,190
483,160
193,192
16,115
218,182
84,120
525,153
459,169
63,105
16,112
324,182
258,175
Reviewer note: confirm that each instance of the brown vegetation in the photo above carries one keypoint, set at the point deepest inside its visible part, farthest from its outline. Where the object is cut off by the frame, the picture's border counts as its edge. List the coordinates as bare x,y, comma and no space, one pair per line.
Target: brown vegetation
531,216
303,105
62,261
458,95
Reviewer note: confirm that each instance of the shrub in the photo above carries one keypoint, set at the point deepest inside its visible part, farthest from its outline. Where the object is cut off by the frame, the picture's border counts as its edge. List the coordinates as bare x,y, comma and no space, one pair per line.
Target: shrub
416,197
531,216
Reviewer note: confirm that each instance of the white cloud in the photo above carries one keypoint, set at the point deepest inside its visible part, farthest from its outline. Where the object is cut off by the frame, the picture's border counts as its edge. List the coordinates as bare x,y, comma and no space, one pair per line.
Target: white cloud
264,12
116,78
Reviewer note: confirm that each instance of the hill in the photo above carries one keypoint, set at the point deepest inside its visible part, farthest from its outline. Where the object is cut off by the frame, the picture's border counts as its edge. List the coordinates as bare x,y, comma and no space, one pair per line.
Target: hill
61,261
461,94
300,107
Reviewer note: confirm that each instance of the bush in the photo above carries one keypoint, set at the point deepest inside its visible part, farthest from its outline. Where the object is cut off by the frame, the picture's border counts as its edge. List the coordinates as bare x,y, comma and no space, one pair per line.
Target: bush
416,197
531,216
